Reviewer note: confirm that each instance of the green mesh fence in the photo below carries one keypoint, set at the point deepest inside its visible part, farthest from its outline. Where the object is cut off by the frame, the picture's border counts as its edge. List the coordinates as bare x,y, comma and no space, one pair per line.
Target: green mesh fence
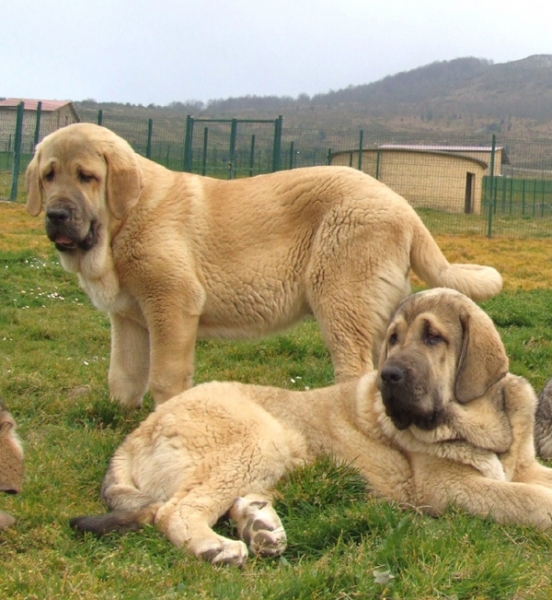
479,184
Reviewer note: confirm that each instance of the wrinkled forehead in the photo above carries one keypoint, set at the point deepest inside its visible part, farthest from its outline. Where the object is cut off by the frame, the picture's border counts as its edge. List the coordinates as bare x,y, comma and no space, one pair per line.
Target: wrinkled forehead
438,322
66,151
444,304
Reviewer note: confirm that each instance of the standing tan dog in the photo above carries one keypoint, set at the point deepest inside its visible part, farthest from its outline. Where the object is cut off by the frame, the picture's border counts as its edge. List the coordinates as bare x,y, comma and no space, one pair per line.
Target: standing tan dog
441,422
173,256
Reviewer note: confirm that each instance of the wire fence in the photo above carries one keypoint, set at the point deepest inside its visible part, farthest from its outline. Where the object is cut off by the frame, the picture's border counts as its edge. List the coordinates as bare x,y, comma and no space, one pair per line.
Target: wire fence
483,184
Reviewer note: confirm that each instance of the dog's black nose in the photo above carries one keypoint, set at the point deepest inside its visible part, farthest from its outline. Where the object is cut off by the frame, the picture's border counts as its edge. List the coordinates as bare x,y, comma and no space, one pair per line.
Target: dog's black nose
58,216
392,375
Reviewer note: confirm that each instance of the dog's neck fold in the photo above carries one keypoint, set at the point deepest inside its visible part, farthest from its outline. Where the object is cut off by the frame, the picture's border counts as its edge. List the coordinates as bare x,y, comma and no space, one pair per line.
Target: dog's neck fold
460,437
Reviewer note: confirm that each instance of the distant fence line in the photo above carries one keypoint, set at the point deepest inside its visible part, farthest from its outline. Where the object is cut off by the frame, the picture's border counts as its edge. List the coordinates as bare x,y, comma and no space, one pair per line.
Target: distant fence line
507,190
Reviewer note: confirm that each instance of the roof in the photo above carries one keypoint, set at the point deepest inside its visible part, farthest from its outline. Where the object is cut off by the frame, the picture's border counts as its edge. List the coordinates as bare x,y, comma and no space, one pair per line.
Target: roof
47,105
448,149
438,148
418,149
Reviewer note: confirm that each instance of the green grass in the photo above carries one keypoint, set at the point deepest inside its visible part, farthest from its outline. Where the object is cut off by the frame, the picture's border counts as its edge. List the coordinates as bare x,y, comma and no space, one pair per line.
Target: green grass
54,350
502,224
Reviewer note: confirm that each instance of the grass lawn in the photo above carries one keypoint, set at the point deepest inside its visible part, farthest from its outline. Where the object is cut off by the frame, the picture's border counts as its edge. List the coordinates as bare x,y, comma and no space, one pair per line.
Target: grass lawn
54,352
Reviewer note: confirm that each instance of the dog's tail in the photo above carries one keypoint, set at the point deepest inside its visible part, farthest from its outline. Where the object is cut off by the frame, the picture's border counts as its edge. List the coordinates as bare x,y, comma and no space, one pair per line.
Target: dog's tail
430,264
117,520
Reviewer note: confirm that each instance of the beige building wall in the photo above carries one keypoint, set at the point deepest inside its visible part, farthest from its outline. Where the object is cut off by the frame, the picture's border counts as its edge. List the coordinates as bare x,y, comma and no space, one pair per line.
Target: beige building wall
445,181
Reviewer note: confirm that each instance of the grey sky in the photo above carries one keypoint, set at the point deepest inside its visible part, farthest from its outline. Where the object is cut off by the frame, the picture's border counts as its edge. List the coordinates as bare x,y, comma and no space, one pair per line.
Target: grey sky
159,51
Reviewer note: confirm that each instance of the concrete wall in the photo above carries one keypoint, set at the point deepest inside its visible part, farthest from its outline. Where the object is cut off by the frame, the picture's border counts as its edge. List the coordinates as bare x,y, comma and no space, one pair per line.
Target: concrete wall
425,178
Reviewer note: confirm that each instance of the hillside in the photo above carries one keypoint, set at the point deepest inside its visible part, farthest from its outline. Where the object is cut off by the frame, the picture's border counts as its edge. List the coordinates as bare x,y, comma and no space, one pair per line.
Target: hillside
466,94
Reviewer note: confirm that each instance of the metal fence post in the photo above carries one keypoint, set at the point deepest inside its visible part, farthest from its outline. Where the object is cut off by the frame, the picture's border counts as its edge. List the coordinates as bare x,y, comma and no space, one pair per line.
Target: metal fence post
37,125
205,146
252,156
100,116
188,139
232,160
491,191
276,149
17,150
148,144
360,144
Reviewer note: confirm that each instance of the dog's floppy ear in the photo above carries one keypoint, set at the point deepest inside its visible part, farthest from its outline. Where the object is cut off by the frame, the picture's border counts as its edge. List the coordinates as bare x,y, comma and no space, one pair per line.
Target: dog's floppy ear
483,359
124,179
34,189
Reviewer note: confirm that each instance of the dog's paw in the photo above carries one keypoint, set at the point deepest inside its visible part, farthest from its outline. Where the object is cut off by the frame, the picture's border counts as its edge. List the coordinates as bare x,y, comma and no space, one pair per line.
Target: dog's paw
259,526
223,552
265,542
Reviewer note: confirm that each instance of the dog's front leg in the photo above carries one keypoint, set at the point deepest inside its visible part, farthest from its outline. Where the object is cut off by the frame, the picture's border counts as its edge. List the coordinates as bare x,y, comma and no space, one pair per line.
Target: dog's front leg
386,470
506,502
172,338
129,364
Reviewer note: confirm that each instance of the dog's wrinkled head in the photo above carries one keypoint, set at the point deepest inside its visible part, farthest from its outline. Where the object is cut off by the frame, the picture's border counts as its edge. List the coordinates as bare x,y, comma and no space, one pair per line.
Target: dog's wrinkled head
77,174
440,349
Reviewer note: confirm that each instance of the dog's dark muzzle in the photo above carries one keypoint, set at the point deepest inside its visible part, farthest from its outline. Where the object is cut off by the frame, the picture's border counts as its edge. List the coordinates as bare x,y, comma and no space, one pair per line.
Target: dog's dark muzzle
67,230
405,398
58,216
395,395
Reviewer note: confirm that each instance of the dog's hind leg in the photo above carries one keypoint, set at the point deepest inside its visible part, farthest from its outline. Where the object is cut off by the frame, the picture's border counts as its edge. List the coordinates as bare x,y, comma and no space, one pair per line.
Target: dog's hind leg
352,303
258,525
352,326
186,520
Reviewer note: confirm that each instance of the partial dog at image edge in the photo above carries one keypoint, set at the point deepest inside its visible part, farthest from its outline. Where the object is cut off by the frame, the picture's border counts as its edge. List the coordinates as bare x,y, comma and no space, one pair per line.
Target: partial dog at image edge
441,422
173,257
12,468
543,422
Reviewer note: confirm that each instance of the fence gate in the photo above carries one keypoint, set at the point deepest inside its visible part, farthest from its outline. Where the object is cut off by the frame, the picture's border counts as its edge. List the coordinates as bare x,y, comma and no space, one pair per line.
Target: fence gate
230,148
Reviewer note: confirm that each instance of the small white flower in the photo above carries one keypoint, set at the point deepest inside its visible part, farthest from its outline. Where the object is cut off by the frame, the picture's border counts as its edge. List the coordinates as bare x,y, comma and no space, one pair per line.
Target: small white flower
382,577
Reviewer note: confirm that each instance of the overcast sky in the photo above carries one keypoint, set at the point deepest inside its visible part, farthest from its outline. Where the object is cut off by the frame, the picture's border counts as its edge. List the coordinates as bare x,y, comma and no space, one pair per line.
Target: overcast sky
160,51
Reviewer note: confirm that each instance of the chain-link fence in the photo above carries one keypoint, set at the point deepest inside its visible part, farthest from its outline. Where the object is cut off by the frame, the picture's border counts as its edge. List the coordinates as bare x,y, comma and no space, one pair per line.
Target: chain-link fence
482,184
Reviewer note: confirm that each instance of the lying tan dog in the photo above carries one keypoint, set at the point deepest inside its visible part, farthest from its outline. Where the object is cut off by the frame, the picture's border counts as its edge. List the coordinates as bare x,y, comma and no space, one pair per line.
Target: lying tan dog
441,422
11,462
173,256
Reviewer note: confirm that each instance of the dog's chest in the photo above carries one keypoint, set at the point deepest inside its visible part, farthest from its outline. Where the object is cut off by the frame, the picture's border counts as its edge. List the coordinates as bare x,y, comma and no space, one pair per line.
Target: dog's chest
109,297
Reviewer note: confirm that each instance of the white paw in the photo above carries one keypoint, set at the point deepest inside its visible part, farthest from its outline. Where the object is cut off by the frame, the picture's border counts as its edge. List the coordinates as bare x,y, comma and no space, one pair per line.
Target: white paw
259,526
266,542
223,552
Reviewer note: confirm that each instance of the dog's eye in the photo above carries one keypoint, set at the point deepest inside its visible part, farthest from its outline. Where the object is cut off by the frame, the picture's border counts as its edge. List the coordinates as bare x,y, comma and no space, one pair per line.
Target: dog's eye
431,338
49,176
86,177
393,339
